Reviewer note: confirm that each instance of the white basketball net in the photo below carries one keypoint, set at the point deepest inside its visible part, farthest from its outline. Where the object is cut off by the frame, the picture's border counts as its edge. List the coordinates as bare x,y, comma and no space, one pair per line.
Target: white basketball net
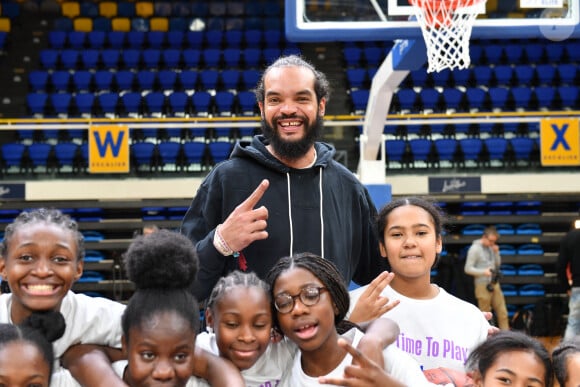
446,27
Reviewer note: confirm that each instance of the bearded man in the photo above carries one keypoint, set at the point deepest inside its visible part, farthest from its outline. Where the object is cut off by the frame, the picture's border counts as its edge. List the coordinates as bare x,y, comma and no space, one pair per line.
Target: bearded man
283,193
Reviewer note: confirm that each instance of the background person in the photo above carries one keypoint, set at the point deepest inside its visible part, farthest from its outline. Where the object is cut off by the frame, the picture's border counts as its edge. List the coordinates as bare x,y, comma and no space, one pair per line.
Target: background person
283,193
483,259
568,269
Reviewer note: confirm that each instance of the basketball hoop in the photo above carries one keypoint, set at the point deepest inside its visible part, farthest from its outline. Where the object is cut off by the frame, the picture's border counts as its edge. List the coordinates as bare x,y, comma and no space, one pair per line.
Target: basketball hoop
446,27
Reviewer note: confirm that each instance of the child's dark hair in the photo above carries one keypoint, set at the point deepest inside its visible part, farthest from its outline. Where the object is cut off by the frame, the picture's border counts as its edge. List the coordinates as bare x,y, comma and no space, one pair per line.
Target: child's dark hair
40,329
482,357
47,215
430,206
321,84
560,357
163,265
326,272
232,280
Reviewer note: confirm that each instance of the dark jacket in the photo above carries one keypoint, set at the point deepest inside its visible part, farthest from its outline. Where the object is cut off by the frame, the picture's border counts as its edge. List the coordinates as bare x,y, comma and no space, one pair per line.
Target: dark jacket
569,254
347,219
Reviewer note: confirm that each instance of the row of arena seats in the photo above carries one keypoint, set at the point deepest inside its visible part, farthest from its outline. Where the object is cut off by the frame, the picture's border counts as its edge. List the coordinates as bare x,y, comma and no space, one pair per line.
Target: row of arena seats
147,9
87,24
474,99
483,52
137,104
461,153
127,80
71,157
153,58
166,39
500,75
459,130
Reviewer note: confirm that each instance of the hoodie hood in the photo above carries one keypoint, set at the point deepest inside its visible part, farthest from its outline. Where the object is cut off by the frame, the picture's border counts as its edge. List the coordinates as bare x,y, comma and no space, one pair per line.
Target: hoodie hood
256,149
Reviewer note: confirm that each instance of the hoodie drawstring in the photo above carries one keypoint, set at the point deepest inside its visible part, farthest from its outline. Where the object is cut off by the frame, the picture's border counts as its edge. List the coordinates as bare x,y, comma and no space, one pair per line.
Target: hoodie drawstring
321,214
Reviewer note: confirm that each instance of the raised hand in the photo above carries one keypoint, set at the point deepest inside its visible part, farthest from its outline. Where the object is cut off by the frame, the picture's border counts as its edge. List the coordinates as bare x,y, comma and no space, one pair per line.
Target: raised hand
365,373
246,224
371,304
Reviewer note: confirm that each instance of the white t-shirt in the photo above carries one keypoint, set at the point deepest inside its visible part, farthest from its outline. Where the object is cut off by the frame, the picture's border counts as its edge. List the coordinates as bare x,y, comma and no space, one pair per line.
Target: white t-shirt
397,364
438,332
268,369
89,320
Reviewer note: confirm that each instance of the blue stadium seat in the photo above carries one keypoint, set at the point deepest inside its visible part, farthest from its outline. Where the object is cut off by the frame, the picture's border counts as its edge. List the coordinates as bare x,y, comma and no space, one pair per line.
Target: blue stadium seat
429,99
395,150
471,150
90,58
61,103
39,156
146,79
528,229
124,80
49,58
252,57
116,39
219,151
522,148
569,96
151,58
57,39
493,53
473,229
546,74
524,75
373,55
522,96
499,98
84,103
38,80
103,80
60,80
131,58
534,52
500,208
167,79
359,98
514,53
446,149
482,75
230,79
175,38
187,79
142,154
224,102
232,57
131,104
233,37
169,152
567,73
502,228
452,99
503,75
195,39
171,58
441,78
108,103
407,99
253,37
178,104
270,54
111,58
554,52
356,78
36,103
69,59
250,78
65,154
191,58
77,39
102,24
545,96
12,154
154,104
247,103
420,151
201,101
209,79
212,57
96,39
155,39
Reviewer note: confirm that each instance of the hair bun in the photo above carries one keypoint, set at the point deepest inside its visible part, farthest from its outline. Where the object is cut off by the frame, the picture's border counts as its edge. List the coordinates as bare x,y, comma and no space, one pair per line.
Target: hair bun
50,323
163,259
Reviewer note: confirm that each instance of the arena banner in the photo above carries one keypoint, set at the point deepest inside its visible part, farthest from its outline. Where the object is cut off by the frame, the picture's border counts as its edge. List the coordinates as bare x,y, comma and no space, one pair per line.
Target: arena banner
108,149
454,184
12,191
560,141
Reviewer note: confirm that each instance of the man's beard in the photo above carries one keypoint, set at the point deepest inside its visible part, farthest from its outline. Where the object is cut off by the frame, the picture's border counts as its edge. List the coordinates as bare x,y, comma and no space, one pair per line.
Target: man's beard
293,150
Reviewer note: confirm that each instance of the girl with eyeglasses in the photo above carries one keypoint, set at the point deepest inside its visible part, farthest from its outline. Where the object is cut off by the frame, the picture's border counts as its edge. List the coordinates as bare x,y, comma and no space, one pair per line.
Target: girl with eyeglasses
311,301
240,328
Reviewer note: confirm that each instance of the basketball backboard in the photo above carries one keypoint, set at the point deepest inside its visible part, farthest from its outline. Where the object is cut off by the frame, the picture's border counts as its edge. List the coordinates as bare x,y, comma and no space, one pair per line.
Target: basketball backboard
365,20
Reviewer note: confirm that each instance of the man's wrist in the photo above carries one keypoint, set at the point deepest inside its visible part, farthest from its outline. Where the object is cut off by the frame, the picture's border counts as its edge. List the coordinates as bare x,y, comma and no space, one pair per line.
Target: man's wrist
220,244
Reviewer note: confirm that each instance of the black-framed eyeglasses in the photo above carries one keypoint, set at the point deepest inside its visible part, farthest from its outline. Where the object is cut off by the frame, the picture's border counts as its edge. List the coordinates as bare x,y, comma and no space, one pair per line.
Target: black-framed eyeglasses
309,296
